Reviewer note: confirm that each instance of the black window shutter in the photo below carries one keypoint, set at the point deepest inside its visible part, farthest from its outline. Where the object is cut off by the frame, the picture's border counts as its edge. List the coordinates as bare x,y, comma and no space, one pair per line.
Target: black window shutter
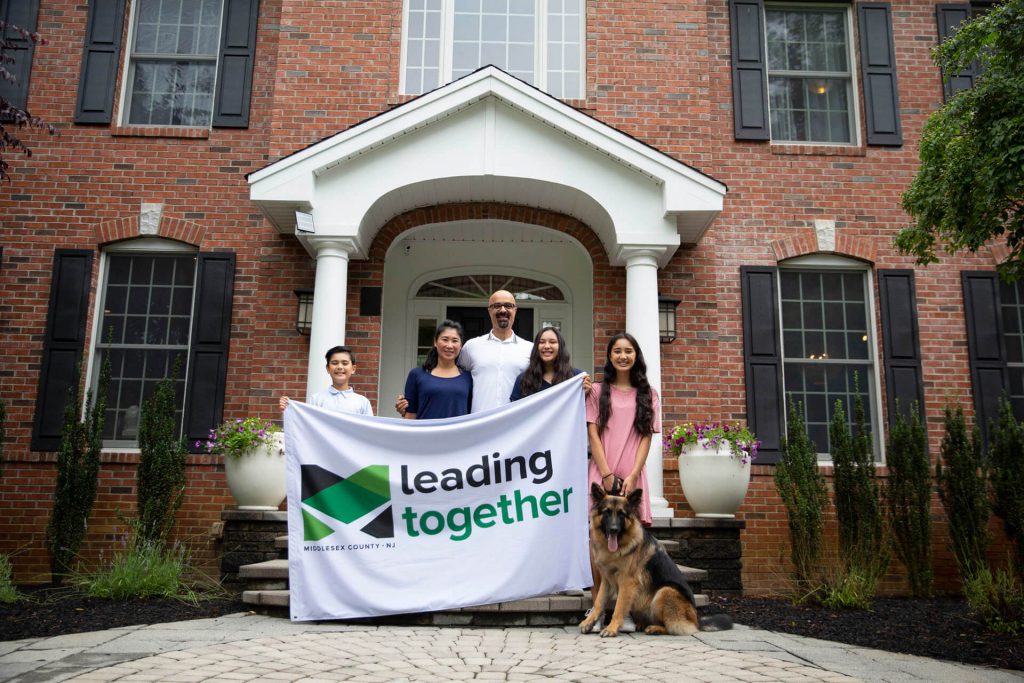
63,344
900,340
208,355
948,18
985,347
749,70
23,14
878,63
762,358
100,59
234,68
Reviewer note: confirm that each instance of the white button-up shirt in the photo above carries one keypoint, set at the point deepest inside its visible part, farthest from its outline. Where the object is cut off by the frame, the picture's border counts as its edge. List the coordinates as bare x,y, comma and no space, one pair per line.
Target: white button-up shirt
494,364
347,401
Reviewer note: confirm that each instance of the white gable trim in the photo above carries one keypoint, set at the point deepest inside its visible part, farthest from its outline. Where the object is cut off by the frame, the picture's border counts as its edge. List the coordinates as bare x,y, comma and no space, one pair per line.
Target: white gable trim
688,200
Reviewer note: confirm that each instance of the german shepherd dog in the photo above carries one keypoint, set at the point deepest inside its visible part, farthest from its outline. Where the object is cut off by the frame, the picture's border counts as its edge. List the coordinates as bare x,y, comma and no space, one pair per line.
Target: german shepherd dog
635,568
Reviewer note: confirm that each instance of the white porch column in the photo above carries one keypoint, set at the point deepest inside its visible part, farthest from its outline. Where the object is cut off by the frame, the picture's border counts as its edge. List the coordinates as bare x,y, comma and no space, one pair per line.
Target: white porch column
642,323
329,305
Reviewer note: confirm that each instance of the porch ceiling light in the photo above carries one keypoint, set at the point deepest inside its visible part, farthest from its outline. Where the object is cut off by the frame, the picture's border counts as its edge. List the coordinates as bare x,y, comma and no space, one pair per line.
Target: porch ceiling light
667,319
304,312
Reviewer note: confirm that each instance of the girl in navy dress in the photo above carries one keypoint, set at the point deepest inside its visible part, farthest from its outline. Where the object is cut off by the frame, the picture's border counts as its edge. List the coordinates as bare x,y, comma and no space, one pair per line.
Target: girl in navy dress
440,388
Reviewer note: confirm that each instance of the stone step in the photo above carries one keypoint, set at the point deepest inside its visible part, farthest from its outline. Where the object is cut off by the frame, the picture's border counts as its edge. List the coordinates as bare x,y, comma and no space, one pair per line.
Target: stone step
277,570
544,610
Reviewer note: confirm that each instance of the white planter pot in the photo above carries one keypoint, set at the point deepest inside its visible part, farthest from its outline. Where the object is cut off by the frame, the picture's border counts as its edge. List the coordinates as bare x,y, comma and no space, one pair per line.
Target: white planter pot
714,481
257,479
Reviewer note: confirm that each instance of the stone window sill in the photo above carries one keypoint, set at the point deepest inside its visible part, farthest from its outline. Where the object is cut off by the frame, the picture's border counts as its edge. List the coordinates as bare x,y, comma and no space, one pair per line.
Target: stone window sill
160,132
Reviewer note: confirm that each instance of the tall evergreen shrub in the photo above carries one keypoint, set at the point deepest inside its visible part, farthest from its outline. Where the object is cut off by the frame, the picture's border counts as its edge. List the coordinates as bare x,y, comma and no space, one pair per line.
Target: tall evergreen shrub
802,489
3,434
160,477
961,474
78,464
909,496
862,542
1006,474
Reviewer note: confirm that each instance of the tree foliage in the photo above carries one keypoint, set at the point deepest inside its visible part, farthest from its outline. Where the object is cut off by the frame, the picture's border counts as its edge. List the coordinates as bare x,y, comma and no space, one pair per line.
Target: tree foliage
13,118
78,464
970,184
802,489
908,494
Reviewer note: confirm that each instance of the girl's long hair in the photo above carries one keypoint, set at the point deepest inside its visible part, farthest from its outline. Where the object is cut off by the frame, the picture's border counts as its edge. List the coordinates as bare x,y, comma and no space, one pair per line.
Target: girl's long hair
643,423
431,362
533,376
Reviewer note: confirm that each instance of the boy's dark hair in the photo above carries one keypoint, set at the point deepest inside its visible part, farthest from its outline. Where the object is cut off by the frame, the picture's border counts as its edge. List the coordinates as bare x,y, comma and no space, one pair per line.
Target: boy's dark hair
339,349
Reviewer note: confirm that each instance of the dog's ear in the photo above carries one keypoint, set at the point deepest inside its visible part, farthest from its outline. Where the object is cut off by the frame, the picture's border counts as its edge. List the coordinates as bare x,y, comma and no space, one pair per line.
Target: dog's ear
596,492
634,498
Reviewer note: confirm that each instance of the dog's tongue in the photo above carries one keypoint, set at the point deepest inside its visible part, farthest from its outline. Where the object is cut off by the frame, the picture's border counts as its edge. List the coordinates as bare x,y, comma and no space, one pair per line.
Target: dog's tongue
613,543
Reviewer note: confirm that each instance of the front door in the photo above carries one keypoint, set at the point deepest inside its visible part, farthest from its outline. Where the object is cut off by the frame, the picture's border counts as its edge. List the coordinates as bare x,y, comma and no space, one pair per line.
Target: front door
476,322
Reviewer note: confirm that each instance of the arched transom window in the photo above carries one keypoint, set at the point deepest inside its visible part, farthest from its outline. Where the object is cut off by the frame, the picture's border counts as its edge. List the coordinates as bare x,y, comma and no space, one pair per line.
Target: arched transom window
482,286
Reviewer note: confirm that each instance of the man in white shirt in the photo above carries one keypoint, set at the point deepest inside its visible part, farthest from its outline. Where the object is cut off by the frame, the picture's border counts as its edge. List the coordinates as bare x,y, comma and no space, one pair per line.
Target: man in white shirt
496,358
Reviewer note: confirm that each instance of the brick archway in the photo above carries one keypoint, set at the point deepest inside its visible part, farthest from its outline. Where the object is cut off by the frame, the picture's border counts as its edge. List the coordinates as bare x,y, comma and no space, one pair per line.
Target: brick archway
364,331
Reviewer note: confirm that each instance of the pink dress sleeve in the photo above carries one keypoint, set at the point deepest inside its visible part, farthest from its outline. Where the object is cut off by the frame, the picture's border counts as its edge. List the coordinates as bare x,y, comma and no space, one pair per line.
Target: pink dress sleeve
656,406
593,402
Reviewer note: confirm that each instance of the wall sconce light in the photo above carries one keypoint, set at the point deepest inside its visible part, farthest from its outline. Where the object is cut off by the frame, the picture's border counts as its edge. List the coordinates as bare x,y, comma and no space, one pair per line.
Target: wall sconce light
667,319
304,312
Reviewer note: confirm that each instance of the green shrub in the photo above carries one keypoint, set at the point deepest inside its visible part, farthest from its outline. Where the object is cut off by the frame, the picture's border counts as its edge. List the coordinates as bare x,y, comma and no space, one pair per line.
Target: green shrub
847,587
161,473
909,496
1006,474
997,598
805,495
961,475
862,541
78,463
3,434
8,593
141,570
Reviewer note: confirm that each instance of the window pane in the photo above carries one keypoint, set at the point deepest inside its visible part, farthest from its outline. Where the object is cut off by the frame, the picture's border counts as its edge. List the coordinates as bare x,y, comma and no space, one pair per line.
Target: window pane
172,93
146,342
1012,310
825,344
812,106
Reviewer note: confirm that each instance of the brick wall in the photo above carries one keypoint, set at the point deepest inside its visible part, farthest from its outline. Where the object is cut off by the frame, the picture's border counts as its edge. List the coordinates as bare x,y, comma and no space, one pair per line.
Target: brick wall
659,71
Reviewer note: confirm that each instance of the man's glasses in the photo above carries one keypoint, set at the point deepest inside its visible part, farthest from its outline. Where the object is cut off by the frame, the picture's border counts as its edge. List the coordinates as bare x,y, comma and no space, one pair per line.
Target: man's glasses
498,307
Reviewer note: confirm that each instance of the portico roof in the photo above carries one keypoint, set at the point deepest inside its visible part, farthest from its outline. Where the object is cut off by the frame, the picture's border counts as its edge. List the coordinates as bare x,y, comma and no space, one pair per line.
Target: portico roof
490,137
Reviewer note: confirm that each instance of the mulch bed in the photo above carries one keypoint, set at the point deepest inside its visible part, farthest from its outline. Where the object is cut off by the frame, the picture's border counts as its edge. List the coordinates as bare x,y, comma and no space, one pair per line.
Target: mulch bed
939,627
51,611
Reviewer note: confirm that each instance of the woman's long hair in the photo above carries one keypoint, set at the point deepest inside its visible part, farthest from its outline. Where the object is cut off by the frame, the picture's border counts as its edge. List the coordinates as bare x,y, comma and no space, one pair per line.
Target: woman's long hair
431,362
643,423
533,376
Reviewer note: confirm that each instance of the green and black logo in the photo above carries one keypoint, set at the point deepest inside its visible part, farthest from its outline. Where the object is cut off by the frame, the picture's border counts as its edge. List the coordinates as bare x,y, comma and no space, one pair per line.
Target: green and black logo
346,500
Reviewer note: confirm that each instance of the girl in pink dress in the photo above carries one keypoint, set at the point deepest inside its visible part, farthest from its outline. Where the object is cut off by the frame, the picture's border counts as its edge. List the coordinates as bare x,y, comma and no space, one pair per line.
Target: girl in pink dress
622,416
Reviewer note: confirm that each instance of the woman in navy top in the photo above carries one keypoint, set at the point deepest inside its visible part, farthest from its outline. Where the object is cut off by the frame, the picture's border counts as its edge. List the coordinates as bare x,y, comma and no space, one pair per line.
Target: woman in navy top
440,388
549,364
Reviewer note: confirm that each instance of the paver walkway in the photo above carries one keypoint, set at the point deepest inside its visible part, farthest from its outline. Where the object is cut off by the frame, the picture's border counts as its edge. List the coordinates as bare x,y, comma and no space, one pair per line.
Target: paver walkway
256,648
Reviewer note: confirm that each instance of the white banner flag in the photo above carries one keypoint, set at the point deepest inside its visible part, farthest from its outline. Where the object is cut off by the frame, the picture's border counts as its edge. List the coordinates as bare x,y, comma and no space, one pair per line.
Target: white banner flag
389,516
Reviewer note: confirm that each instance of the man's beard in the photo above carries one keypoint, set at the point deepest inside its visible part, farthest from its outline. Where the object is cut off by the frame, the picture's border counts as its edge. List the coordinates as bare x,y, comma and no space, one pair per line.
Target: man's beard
504,321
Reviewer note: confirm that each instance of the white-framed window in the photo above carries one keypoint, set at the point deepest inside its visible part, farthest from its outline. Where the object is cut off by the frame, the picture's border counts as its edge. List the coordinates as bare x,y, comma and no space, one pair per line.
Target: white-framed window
172,65
146,296
811,94
828,346
538,41
1011,299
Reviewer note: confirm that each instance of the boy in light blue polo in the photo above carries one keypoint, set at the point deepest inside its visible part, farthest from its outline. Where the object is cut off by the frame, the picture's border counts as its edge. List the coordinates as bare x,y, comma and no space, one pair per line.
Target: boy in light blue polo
339,397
